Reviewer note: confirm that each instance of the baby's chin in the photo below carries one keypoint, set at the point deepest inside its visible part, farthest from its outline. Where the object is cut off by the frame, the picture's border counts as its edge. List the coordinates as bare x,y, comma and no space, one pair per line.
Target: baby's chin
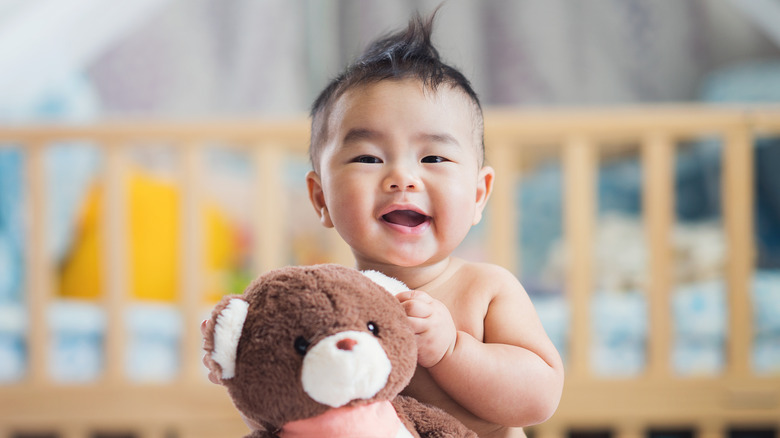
401,259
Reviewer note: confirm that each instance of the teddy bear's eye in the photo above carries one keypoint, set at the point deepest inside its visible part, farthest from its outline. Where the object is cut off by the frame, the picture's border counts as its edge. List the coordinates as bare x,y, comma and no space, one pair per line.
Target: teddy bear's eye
301,345
373,328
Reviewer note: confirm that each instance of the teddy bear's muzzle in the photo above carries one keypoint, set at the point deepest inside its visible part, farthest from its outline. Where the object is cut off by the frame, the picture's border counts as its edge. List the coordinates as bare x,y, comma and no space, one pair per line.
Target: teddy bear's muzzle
346,366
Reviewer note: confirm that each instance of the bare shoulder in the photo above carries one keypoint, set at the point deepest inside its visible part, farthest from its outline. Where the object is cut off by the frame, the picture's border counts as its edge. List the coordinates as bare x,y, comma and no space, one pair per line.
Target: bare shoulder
493,279
510,316
490,303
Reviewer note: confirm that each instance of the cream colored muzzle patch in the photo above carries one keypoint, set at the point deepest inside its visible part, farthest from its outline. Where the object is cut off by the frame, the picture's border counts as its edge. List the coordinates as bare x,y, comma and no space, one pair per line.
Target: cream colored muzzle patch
347,366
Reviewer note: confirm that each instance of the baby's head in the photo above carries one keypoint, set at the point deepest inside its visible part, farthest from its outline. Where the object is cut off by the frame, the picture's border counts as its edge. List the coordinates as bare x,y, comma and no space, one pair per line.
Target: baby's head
405,55
398,155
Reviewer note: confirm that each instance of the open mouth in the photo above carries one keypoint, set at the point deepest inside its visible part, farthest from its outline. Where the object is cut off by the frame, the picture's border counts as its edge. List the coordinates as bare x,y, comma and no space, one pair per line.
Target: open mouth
406,218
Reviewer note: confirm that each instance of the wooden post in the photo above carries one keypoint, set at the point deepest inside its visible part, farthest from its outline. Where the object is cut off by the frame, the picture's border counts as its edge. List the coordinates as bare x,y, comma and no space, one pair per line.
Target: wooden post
630,430
338,250
38,265
72,431
738,220
549,429
579,210
711,429
269,208
192,263
502,214
115,238
658,206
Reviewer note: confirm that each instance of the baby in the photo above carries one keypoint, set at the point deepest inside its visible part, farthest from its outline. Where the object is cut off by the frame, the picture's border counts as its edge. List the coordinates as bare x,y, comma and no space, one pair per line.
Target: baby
398,171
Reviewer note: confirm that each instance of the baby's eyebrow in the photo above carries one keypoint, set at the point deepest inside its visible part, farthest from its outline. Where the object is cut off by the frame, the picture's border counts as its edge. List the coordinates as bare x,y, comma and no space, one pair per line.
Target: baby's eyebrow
358,134
439,138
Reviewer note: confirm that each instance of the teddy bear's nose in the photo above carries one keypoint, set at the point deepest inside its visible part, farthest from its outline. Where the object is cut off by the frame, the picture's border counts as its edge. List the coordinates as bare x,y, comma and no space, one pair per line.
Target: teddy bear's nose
346,344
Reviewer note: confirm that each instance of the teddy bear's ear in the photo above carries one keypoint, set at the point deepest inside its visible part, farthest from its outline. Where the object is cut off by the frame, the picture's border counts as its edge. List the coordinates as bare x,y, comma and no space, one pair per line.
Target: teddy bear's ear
392,285
222,342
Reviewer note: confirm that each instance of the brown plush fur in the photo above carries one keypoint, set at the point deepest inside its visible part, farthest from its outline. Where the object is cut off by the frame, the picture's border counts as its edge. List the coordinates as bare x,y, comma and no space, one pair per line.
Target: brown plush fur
315,302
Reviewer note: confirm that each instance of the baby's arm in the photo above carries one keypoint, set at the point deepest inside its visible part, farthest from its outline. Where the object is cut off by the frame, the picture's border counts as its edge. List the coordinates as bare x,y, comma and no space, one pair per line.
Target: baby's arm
513,376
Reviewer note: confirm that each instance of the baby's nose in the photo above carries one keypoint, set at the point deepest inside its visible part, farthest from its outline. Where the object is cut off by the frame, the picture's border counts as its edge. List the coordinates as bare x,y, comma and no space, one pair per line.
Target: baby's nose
398,187
402,179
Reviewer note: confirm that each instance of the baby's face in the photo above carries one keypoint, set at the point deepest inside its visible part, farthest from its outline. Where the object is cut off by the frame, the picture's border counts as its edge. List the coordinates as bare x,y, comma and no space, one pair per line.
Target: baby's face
400,176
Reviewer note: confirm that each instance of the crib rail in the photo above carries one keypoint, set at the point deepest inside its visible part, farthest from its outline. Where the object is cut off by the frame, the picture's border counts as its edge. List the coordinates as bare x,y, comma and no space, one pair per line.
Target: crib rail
516,140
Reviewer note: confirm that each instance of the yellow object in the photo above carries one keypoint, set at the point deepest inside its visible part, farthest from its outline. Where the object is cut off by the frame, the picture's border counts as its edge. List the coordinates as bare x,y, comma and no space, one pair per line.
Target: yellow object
154,242
80,271
223,253
154,238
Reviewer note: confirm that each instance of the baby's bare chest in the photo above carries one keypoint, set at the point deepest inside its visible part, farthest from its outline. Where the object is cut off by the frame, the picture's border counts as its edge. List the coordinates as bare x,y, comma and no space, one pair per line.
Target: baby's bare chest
467,306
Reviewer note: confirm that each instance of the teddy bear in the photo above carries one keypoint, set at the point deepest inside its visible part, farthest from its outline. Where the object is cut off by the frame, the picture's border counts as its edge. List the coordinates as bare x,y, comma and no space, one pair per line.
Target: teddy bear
321,351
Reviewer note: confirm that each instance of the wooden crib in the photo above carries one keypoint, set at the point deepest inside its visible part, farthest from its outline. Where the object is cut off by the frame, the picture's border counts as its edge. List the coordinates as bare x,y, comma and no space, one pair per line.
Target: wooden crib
655,402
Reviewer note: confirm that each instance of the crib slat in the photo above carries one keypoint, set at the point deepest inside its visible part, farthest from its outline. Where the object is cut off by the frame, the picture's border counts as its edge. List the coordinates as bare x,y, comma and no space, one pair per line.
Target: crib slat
338,250
71,431
711,429
711,406
37,264
658,215
579,210
152,431
740,259
269,208
114,217
502,230
192,262
629,430
549,429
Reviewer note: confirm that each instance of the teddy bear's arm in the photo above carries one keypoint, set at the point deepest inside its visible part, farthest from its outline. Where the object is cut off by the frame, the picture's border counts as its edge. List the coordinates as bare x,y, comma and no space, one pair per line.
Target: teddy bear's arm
429,421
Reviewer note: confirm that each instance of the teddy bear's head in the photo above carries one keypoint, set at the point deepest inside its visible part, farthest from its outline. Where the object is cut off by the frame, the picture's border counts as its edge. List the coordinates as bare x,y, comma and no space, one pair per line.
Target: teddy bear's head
304,339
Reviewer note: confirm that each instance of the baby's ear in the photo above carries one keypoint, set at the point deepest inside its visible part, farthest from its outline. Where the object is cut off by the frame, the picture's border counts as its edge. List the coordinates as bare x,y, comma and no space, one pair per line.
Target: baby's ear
392,285
317,198
223,331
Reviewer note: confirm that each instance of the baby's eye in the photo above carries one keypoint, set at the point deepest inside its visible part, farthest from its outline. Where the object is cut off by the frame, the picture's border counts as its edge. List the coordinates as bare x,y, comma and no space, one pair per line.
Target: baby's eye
434,159
366,159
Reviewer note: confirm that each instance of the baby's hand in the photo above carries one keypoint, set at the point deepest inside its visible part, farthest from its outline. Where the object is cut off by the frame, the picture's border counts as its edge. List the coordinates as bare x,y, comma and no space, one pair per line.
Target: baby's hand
432,324
213,377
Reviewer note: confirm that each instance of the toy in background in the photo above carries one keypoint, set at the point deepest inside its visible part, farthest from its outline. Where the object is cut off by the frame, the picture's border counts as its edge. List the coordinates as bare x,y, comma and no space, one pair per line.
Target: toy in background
69,166
76,242
321,351
153,241
74,228
698,303
619,307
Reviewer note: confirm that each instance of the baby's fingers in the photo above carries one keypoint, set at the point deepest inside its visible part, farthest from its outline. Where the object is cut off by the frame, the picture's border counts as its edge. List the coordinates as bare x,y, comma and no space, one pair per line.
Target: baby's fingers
417,309
414,295
212,375
419,325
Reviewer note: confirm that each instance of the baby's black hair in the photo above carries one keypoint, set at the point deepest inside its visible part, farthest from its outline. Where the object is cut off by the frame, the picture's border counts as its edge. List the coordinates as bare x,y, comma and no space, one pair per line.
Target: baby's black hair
408,53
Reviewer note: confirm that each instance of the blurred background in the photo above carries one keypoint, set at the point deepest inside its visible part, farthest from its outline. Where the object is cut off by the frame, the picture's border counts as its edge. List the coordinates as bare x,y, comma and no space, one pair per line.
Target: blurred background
71,59
89,61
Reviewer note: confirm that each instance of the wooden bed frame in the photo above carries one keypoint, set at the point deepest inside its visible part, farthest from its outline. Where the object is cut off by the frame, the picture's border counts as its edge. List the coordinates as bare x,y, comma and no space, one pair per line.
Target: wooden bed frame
657,400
